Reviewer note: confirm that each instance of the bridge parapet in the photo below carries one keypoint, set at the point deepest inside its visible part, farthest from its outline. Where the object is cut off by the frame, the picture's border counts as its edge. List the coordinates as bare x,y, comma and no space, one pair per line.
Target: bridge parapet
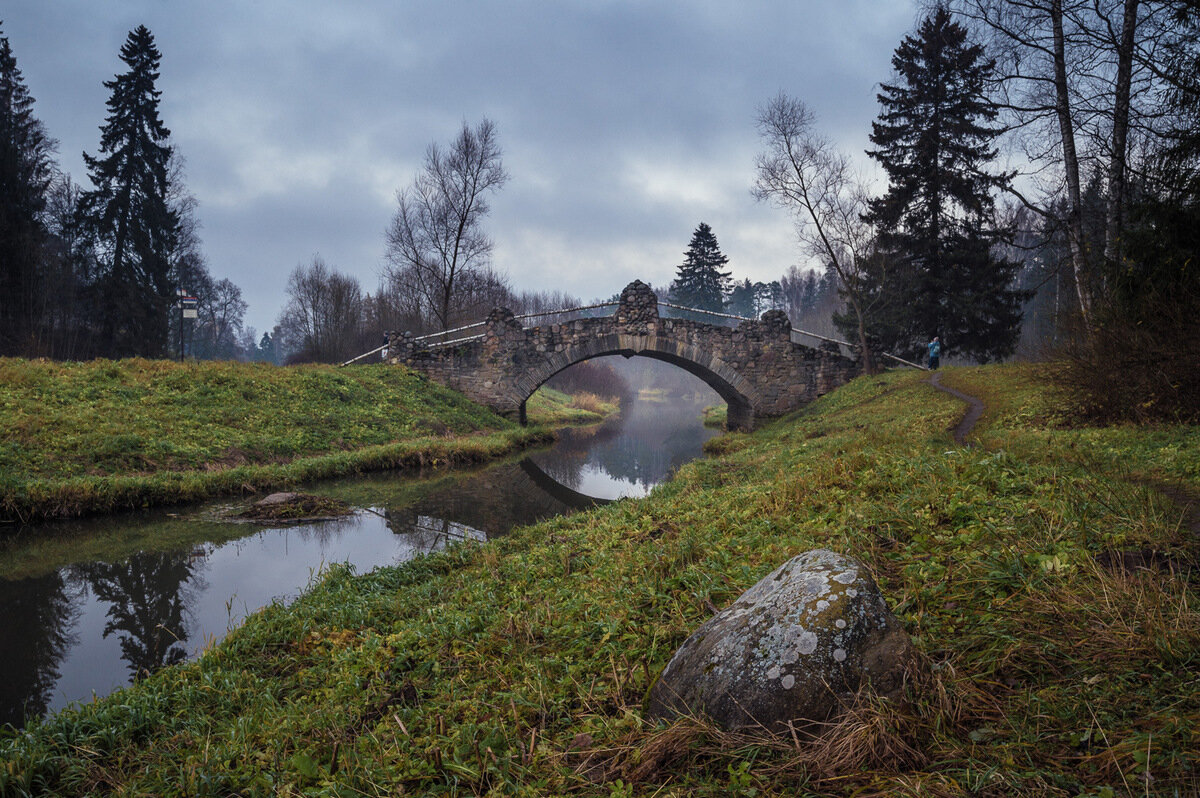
755,367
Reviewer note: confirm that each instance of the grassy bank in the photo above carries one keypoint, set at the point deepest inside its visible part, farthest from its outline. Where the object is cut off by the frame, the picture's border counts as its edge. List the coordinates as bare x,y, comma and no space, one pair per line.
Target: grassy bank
518,667
111,435
551,408
716,416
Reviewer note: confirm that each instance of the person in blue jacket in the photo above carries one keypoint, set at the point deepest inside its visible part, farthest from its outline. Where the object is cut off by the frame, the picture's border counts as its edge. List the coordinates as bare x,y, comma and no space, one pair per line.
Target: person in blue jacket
935,353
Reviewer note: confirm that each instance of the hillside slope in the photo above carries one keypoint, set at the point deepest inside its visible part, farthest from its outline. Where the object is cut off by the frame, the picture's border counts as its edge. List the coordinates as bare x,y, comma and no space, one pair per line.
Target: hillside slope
107,435
519,666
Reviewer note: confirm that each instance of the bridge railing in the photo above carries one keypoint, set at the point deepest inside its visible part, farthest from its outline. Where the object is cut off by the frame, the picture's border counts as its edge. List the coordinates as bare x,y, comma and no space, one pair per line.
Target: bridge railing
795,332
431,340
365,354
565,311
683,309
439,340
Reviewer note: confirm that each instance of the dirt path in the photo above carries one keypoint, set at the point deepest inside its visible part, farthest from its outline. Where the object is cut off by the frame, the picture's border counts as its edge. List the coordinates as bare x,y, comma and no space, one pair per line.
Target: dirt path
974,410
1130,560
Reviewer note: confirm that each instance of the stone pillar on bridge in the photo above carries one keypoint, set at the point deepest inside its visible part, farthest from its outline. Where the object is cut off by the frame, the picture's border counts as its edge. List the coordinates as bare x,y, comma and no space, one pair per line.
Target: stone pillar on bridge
400,346
502,328
637,312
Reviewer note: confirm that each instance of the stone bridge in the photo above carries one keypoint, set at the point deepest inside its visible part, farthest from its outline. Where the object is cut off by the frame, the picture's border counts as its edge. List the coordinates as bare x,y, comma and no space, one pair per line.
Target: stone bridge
755,367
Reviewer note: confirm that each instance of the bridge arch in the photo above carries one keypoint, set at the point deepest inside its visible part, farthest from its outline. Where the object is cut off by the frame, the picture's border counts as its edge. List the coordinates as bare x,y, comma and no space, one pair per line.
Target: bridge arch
755,367
740,395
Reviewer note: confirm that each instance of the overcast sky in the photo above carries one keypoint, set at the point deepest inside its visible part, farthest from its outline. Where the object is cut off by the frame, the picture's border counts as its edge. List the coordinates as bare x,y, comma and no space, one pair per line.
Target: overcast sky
623,124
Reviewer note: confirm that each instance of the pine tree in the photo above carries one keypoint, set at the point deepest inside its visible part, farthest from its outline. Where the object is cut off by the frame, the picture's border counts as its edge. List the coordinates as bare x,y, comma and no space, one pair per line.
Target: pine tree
742,299
128,212
25,174
937,238
699,281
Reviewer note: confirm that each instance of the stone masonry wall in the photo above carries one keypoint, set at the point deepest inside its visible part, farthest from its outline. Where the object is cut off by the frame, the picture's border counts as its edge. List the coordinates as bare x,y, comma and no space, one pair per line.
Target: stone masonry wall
755,366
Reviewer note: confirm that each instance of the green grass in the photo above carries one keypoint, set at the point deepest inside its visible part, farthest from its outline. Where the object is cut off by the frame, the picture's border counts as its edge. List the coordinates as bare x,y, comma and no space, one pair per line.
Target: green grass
550,408
1027,420
716,416
109,435
518,667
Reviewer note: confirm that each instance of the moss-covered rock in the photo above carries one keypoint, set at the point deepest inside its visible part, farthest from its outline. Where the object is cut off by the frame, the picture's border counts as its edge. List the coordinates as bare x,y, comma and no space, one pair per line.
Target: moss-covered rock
797,646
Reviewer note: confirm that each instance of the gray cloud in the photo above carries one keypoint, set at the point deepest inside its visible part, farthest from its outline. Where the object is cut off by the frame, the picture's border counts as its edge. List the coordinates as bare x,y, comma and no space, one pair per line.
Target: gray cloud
624,124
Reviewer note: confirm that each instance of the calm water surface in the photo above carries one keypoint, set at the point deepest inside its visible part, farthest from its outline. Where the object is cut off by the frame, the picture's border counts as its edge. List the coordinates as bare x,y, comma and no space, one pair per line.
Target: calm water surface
90,606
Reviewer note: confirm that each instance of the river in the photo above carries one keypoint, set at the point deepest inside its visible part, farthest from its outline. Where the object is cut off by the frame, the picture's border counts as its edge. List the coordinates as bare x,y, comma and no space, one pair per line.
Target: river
89,606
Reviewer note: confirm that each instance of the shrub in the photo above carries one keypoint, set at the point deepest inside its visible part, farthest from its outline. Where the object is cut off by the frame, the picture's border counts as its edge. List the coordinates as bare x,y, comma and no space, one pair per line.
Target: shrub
1137,368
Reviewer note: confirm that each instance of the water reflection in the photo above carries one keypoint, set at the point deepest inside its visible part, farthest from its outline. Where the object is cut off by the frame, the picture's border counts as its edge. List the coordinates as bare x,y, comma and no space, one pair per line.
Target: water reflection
145,597
91,606
37,631
630,454
555,487
426,533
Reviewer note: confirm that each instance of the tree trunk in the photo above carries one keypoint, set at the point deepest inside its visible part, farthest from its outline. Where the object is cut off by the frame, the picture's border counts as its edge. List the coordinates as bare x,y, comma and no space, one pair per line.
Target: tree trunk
867,358
1066,126
1115,212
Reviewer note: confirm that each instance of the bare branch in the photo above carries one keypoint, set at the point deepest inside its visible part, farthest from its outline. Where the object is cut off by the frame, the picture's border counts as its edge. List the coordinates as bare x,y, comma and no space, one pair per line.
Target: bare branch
436,238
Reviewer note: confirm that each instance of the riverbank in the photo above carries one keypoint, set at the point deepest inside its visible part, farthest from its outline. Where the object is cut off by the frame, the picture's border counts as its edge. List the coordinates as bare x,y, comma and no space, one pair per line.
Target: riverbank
103,436
519,666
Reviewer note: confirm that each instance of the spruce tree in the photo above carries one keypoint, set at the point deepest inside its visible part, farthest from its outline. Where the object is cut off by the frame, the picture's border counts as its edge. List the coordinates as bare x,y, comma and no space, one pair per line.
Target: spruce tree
128,212
742,299
937,237
25,174
699,281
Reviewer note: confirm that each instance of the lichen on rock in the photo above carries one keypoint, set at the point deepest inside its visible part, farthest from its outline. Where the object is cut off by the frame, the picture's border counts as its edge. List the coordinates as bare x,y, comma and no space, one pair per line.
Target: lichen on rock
797,646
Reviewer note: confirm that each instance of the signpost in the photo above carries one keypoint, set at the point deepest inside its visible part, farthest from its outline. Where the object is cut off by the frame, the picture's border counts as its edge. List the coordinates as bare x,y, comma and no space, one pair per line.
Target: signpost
187,310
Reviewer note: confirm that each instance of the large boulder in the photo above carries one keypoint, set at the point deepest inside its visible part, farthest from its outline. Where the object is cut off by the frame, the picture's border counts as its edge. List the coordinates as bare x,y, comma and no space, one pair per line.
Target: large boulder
797,646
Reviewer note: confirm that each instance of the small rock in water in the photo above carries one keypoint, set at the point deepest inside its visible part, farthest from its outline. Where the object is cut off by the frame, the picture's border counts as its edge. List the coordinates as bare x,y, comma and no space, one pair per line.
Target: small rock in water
797,646
295,507
277,498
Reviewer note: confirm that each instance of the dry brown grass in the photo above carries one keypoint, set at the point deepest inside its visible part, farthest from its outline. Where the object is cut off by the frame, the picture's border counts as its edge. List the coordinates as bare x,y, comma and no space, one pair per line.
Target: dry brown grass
874,746
1124,615
592,403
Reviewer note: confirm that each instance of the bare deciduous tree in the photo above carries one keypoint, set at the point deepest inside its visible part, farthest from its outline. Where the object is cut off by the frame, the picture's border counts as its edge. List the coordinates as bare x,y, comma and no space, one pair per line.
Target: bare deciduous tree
323,313
219,326
1080,83
804,173
436,241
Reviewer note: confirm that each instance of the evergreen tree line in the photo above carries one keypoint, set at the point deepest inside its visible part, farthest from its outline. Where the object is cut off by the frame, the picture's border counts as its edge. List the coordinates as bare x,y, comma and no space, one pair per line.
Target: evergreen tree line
99,272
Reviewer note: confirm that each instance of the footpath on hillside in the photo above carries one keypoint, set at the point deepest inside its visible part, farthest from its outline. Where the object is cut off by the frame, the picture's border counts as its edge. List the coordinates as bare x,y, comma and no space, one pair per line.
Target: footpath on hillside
1187,502
974,410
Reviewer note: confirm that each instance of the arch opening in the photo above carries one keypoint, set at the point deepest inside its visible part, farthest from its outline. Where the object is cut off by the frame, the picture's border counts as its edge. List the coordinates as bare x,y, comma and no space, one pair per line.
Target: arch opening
740,406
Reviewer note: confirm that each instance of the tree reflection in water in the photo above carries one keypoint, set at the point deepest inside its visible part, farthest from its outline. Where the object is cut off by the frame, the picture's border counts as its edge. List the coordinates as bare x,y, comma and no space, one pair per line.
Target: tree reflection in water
488,504
40,615
146,606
